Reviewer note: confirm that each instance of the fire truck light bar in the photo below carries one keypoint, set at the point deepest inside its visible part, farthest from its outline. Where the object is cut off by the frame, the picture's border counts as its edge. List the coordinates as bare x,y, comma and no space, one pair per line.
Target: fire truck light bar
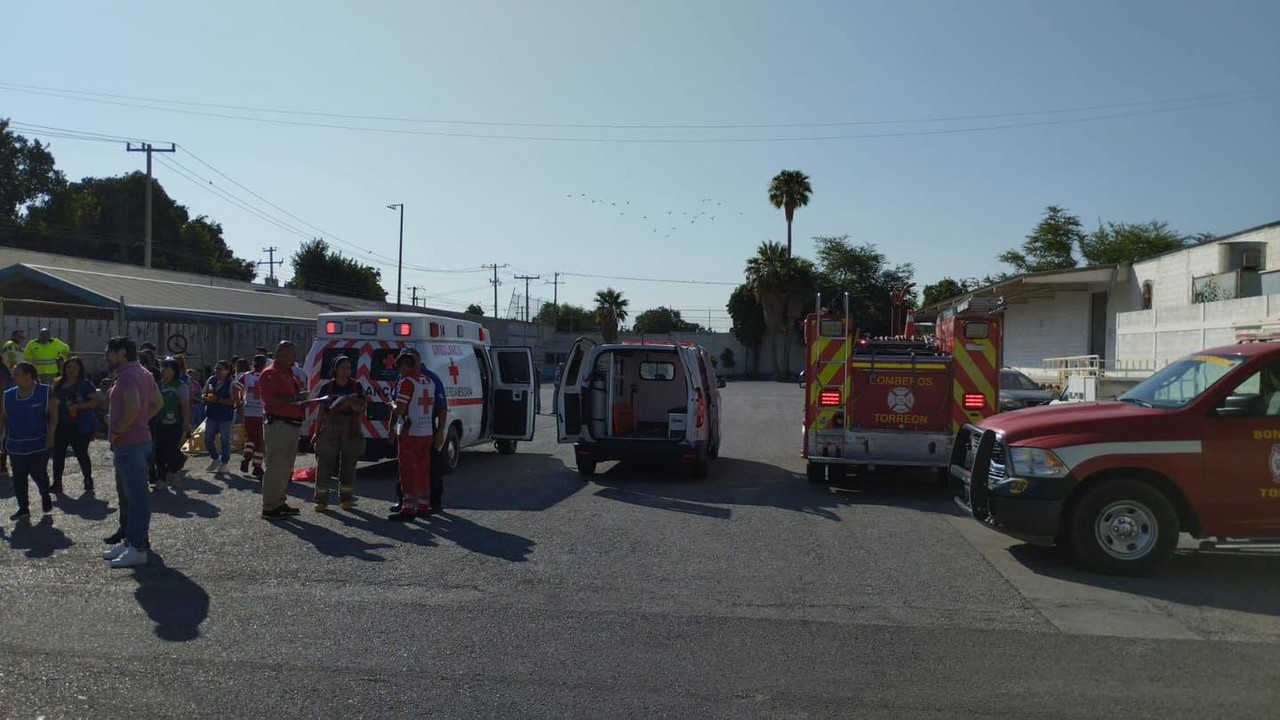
829,398
974,401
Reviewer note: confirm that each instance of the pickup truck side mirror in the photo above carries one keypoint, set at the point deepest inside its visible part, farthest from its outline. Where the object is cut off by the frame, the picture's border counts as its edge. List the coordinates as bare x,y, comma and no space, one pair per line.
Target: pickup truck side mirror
1237,406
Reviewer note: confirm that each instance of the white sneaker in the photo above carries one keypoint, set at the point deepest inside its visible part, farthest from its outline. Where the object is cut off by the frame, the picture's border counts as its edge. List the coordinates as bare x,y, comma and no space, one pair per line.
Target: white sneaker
132,557
224,468
213,466
116,550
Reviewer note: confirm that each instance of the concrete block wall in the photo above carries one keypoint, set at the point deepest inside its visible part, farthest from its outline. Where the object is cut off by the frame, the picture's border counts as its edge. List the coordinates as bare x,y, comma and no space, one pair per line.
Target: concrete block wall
1158,336
1046,328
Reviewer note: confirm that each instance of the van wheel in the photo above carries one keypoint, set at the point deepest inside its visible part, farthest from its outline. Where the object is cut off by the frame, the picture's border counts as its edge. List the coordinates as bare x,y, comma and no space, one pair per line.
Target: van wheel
1123,527
586,467
817,473
505,447
452,450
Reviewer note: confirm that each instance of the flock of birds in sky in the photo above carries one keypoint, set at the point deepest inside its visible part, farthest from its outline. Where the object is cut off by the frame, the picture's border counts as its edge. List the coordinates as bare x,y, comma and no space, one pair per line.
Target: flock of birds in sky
665,223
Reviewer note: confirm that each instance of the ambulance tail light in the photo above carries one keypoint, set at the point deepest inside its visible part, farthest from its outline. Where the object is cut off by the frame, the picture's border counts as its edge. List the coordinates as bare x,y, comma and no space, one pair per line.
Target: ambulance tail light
436,330
333,327
403,329
829,398
484,334
974,401
702,410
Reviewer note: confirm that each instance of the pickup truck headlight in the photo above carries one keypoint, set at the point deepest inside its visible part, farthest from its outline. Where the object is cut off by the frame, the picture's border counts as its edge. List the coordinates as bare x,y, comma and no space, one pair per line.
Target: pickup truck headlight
1036,463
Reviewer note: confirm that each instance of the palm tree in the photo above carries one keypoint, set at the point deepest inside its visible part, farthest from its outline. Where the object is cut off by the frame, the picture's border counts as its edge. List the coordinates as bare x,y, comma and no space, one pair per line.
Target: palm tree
789,190
611,310
781,283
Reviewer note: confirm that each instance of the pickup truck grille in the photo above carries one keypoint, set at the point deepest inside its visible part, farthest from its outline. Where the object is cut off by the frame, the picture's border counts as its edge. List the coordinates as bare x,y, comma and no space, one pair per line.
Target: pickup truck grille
996,473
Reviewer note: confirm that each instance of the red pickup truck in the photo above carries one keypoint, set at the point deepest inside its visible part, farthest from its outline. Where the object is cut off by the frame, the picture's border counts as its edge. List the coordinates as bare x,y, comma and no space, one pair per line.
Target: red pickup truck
1195,448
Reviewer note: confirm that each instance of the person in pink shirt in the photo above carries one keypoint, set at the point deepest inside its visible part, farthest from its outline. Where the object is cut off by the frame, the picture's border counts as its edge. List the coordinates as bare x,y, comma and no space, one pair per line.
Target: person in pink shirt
134,400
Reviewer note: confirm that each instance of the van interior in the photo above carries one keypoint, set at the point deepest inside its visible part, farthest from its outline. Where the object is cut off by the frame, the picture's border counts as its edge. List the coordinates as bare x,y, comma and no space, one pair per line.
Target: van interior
640,394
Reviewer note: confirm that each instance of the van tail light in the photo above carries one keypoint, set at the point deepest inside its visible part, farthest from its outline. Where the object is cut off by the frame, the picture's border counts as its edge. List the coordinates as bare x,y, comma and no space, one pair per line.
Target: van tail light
402,329
484,334
829,398
974,401
702,410
333,327
436,330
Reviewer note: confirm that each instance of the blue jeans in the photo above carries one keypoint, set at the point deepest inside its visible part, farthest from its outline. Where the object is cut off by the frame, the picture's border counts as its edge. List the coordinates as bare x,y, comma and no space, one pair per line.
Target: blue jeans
222,430
131,468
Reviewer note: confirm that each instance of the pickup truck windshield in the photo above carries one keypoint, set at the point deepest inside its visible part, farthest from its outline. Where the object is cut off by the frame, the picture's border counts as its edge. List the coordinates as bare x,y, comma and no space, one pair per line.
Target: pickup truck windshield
1182,381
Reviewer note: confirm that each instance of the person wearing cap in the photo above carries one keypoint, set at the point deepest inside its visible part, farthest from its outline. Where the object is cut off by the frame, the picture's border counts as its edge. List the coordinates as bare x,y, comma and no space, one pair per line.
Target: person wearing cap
12,352
419,398
46,353
282,396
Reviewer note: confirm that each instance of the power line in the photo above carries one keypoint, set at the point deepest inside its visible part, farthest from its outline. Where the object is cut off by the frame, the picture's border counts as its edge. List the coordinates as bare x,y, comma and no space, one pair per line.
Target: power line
654,280
88,95
1188,105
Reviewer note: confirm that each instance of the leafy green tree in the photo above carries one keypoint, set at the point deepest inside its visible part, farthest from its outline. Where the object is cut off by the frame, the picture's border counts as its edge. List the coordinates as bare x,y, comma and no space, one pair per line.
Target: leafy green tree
663,320
611,311
1126,242
475,309
105,218
863,272
789,189
727,360
568,318
780,283
318,268
27,174
749,327
1050,246
947,288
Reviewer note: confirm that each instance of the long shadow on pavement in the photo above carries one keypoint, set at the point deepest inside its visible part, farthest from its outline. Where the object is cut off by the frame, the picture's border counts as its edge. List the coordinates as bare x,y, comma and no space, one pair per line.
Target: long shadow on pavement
480,539
335,544
39,539
88,506
173,601
414,533
735,481
182,505
1243,580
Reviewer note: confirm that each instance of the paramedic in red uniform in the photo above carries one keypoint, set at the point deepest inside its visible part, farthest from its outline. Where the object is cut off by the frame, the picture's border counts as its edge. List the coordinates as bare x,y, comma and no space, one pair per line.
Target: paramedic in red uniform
282,394
419,397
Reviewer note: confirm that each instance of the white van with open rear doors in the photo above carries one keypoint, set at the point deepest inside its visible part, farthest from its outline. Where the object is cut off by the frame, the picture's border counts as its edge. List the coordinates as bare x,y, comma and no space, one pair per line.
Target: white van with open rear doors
490,390
647,401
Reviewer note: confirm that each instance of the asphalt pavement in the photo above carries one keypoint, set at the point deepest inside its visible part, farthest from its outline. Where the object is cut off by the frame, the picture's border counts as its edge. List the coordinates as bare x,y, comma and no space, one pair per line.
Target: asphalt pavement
641,592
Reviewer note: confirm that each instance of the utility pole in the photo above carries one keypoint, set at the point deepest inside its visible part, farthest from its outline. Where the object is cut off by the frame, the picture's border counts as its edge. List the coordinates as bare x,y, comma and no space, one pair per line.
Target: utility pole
413,301
526,279
271,263
555,301
400,260
495,282
148,148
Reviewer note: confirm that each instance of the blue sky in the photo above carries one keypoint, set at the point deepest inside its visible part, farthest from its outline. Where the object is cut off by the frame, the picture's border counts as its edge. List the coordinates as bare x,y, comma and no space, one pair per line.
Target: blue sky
947,202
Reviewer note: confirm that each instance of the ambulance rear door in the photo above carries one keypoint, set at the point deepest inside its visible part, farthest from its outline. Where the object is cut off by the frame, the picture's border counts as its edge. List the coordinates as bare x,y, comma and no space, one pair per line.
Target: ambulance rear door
513,389
569,419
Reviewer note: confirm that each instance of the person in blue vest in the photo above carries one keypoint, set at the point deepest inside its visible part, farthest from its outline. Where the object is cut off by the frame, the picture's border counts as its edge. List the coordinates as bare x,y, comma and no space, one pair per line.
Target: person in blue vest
29,419
220,415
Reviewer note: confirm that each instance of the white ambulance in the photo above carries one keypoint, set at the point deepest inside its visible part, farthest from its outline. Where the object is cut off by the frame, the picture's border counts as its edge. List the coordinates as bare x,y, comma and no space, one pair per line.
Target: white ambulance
491,391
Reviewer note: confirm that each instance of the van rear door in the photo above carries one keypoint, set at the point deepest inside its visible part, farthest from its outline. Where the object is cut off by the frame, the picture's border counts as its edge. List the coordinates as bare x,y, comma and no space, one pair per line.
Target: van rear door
569,420
513,389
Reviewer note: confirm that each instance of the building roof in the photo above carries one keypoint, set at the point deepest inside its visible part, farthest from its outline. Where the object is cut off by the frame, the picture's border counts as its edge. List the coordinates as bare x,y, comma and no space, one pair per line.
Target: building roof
1029,285
153,297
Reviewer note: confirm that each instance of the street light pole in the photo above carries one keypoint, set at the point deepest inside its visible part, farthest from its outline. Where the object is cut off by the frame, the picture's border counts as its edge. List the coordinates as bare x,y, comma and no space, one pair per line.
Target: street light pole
400,260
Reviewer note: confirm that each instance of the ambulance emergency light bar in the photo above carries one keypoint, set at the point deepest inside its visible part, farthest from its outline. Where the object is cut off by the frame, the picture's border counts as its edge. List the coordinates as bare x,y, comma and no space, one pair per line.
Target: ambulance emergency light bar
398,329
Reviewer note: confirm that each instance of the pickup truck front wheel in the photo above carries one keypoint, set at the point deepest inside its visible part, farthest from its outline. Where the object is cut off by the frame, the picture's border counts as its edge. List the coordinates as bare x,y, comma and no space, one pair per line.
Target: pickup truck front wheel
1123,527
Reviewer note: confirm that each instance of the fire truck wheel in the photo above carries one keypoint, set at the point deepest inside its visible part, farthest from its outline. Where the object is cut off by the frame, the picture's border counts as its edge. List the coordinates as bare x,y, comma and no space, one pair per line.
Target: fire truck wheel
817,473
1123,527
506,447
586,467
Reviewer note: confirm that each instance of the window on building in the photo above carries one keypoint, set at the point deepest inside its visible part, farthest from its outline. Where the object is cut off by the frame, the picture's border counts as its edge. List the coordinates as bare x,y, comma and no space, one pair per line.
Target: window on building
1147,289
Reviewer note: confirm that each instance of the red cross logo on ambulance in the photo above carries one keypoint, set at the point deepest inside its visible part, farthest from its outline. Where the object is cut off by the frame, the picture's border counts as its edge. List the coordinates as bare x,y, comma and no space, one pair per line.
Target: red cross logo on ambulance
901,400
1275,463
453,371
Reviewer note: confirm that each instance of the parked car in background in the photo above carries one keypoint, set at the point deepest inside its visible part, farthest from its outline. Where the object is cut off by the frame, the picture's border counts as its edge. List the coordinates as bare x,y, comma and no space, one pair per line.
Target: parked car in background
1018,391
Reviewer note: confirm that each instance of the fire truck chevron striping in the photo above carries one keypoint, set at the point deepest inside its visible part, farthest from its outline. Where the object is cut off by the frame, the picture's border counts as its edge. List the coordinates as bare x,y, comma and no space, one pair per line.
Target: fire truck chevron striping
897,400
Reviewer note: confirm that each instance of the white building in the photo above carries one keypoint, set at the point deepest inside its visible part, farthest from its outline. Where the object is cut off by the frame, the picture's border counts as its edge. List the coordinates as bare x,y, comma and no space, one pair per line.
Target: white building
1135,318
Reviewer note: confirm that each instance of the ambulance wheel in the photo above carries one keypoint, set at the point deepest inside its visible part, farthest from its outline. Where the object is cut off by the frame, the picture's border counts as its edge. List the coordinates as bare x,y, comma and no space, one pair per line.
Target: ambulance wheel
817,473
505,447
586,467
452,450
1123,527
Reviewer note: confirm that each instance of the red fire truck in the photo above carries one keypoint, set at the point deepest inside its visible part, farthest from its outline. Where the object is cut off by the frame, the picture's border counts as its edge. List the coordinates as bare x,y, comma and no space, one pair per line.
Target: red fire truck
898,400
